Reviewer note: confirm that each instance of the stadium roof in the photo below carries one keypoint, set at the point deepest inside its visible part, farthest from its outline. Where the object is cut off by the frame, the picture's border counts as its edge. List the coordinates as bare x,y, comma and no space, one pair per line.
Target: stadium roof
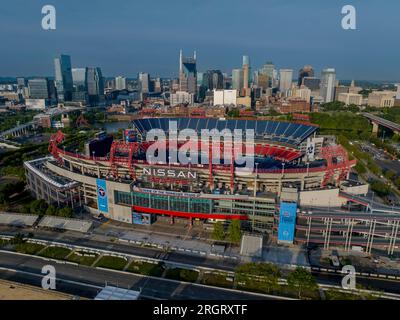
276,131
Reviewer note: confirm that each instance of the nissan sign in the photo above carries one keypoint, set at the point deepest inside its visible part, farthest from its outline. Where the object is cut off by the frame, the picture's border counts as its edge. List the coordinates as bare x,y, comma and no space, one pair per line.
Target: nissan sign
170,173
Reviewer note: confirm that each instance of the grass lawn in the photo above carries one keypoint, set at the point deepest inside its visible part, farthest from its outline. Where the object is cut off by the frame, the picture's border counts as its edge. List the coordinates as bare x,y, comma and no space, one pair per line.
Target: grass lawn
216,279
145,268
292,293
55,253
182,275
29,248
86,261
110,262
337,295
3,243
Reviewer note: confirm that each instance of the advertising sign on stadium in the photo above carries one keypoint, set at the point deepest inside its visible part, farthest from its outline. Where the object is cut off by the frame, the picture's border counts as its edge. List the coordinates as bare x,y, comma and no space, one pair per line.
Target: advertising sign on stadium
310,152
170,173
287,222
102,198
129,135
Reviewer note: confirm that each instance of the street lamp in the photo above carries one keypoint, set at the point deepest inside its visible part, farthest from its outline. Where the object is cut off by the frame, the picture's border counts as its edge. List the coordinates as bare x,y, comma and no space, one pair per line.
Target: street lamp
283,168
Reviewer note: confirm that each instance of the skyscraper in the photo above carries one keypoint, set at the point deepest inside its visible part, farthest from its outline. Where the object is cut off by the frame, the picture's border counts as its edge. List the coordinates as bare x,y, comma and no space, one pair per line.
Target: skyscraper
42,89
213,79
63,77
262,80
144,81
246,73
269,70
285,79
306,71
95,85
188,73
79,78
237,79
328,82
120,83
80,93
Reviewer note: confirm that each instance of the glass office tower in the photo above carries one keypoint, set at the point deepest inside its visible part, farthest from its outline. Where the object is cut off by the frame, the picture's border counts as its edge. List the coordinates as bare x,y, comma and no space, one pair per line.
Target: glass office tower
63,79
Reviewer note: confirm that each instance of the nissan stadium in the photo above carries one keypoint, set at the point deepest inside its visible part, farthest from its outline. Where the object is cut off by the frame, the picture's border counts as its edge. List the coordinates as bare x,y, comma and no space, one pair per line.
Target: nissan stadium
298,191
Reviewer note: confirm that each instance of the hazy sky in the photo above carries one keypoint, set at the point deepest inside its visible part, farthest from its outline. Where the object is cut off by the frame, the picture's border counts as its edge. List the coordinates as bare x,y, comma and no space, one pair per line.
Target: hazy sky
128,36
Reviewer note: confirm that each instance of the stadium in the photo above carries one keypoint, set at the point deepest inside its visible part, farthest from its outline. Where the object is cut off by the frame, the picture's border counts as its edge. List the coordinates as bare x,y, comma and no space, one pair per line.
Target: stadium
295,168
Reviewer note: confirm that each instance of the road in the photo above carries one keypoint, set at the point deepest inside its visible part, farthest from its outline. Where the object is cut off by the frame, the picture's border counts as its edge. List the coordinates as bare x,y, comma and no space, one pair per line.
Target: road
228,265
97,242
90,278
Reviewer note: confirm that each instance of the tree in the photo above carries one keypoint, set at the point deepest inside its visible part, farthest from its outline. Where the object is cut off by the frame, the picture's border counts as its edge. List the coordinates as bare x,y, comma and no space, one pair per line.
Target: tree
51,211
301,279
65,212
38,207
234,113
218,231
256,274
235,234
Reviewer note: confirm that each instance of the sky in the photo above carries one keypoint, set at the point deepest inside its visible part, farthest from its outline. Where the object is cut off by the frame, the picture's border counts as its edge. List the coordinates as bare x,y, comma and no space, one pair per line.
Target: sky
125,37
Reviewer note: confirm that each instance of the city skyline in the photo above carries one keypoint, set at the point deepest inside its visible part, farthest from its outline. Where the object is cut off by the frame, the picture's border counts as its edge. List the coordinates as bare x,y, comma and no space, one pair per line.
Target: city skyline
152,45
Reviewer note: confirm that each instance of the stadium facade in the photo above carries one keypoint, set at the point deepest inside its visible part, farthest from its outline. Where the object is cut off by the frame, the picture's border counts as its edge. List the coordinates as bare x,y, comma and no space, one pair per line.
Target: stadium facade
295,170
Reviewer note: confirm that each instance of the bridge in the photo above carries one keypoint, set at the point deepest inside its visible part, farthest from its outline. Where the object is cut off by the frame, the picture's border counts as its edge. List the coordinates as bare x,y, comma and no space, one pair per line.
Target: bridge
371,205
19,130
378,121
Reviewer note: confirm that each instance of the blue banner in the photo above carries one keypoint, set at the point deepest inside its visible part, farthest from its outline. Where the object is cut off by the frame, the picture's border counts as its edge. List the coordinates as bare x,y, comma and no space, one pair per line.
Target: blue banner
102,198
287,222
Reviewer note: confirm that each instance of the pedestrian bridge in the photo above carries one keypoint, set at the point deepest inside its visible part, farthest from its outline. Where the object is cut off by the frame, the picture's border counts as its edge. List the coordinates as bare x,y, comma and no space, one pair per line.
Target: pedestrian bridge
18,131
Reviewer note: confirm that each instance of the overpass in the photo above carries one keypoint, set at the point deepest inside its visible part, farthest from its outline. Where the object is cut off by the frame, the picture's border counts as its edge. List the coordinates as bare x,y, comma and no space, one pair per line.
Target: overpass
378,121
369,204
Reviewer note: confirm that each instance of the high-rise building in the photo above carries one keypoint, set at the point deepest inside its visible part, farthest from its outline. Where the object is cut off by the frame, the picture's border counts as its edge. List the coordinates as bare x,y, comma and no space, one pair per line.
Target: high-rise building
181,97
312,83
120,83
213,79
398,91
188,73
306,71
285,79
157,85
339,90
246,73
41,88
225,97
262,80
144,81
237,79
269,69
63,77
79,93
95,85
328,82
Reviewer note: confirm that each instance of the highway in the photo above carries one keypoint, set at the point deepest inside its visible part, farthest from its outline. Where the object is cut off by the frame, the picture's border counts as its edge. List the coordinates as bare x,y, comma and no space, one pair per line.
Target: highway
85,281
